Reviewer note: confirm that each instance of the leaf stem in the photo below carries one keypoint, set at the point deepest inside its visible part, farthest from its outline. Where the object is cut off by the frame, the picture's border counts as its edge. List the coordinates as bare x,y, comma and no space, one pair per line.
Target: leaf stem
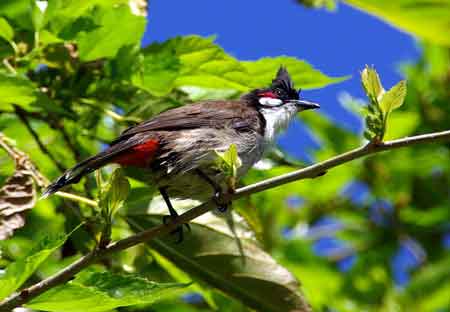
77,198
309,172
9,66
108,112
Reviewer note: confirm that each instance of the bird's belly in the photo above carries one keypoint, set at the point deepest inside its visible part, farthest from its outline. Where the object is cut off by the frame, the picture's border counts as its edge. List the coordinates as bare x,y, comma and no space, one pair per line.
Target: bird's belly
190,184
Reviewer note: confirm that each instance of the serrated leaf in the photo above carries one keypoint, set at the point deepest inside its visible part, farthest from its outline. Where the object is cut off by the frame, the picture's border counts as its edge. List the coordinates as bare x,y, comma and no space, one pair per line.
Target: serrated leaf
211,254
207,65
200,63
19,271
371,83
16,90
105,40
103,291
393,98
6,30
305,76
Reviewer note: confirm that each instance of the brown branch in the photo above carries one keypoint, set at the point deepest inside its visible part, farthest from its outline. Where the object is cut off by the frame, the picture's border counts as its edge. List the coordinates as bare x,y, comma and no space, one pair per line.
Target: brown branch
309,172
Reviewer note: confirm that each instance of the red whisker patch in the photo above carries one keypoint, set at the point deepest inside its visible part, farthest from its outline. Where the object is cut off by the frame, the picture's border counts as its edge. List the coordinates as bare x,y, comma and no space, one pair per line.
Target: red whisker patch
268,94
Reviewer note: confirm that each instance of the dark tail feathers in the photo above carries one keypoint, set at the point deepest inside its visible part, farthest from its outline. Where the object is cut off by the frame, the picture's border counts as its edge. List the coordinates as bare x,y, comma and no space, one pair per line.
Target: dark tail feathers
93,163
75,174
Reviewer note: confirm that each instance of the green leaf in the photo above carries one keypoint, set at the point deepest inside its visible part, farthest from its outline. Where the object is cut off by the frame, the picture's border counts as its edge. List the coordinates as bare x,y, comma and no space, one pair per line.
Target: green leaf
402,124
429,20
115,192
261,72
330,5
37,15
435,279
393,98
198,94
205,64
211,254
17,12
16,90
182,277
105,40
19,271
103,291
195,62
381,103
229,162
371,83
158,70
6,30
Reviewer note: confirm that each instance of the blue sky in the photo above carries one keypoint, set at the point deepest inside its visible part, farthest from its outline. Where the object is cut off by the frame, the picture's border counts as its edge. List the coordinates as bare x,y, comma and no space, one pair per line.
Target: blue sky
337,43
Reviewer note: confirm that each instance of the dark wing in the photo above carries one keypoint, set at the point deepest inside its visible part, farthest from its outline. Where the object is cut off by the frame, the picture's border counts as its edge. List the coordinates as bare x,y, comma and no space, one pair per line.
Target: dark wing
209,114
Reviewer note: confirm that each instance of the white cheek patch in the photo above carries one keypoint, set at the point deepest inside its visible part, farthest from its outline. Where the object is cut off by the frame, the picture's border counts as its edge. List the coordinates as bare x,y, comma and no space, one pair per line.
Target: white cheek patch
270,101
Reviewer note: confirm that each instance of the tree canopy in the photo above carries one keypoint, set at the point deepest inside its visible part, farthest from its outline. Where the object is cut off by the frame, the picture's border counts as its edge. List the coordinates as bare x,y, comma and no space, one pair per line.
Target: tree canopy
372,234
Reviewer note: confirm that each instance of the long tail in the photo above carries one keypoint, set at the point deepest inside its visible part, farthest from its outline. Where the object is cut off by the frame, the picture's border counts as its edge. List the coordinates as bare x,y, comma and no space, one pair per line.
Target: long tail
74,174
132,150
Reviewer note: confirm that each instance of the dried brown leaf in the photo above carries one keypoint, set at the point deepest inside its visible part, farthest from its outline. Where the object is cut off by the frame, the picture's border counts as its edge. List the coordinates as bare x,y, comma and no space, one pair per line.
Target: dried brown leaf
17,195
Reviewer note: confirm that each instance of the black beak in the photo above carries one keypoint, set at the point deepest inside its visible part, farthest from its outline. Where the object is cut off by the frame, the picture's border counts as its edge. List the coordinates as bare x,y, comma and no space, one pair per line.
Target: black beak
304,105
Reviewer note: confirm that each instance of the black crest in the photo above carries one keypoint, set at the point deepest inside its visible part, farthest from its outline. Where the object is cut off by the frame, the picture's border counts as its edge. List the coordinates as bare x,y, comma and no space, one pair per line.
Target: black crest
282,85
283,81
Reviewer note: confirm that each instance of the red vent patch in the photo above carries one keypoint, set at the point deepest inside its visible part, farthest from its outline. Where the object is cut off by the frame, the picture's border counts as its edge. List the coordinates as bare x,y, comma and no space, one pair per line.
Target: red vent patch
140,155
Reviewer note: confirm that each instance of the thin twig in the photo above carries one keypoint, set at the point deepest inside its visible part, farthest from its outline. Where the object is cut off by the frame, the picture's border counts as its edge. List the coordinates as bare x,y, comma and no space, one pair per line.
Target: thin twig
9,66
22,116
309,172
110,113
77,198
76,153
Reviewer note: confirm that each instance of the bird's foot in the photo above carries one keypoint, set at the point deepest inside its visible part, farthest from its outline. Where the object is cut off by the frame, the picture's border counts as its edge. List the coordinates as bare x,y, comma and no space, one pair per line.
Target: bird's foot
178,231
223,200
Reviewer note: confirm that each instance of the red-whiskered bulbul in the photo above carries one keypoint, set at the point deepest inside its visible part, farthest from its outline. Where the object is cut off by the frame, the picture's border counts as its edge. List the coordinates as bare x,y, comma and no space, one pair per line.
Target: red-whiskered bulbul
178,147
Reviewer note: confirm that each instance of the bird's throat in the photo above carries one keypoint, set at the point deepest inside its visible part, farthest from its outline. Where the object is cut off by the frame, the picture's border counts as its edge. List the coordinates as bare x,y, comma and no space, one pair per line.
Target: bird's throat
277,120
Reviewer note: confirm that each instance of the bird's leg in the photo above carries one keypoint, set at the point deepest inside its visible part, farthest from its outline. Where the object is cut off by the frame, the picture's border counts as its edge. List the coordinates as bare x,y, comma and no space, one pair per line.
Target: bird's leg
173,215
219,197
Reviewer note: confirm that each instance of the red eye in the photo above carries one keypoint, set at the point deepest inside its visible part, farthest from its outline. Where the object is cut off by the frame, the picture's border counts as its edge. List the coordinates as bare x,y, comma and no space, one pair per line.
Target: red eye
268,94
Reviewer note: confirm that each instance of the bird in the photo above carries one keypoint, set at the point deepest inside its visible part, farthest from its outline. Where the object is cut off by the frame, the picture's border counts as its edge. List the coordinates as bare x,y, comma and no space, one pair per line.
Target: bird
178,148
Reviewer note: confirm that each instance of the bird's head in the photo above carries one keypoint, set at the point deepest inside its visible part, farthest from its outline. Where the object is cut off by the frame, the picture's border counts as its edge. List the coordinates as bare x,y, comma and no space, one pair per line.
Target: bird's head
279,94
279,102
